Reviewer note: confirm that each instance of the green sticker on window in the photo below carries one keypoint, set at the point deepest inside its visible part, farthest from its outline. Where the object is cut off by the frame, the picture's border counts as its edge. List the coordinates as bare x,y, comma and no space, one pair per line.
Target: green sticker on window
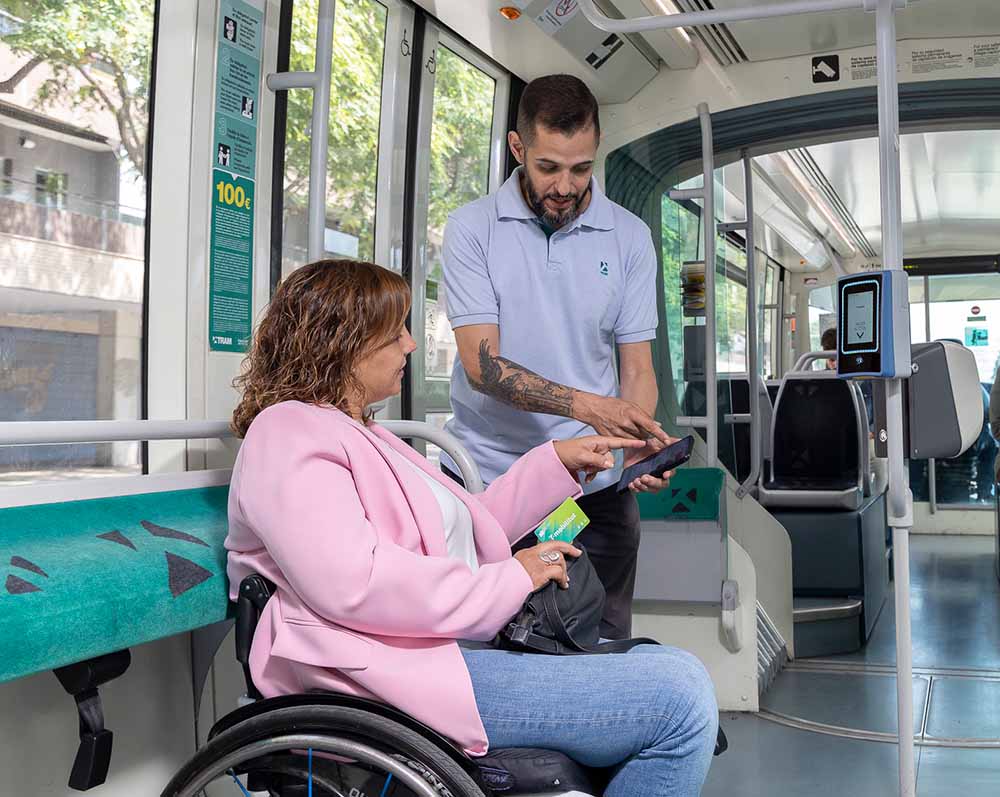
234,158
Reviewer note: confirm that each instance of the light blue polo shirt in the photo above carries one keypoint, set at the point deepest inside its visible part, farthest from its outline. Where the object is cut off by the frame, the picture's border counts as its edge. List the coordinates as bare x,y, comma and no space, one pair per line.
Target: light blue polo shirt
562,304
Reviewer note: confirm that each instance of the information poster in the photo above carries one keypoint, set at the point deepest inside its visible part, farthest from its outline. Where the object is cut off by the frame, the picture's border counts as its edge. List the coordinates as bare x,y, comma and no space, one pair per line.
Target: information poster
234,155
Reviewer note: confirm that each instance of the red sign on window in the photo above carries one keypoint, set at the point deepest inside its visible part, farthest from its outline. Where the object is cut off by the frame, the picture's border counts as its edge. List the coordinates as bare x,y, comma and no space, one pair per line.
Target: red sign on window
975,310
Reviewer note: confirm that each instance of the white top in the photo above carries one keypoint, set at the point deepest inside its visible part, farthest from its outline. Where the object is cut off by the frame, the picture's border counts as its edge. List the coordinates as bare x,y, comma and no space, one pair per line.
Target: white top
458,536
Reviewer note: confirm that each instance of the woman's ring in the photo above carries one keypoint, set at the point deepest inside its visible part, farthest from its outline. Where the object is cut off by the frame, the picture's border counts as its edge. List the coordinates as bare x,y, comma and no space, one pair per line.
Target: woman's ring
550,557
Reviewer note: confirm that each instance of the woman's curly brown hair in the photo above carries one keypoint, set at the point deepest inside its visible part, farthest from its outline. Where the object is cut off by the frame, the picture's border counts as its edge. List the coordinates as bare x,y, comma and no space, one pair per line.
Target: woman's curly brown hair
322,318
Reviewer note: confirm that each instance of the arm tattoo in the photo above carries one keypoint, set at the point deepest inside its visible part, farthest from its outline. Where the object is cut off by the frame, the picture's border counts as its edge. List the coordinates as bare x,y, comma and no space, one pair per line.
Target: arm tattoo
514,384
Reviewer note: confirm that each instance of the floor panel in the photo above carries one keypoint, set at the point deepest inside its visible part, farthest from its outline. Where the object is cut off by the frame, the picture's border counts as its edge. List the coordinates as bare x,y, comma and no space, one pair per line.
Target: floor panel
954,607
848,700
964,708
946,772
765,759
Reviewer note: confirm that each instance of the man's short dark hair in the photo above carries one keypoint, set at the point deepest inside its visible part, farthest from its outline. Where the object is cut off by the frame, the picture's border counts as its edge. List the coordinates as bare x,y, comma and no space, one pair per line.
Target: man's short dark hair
829,340
557,102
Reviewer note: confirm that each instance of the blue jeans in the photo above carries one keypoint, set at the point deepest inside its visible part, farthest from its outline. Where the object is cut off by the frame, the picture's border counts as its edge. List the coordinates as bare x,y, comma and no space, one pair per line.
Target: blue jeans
651,713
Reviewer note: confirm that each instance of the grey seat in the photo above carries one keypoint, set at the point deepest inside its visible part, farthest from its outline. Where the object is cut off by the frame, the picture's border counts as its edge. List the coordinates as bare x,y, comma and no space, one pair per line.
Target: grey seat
819,449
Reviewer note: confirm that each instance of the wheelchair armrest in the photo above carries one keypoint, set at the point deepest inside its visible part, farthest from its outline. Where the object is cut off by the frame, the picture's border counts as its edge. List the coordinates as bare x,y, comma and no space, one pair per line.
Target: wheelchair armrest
255,592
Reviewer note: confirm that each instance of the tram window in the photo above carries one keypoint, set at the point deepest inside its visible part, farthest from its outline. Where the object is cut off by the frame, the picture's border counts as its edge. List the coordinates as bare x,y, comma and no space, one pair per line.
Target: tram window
461,134
822,316
355,99
679,235
72,229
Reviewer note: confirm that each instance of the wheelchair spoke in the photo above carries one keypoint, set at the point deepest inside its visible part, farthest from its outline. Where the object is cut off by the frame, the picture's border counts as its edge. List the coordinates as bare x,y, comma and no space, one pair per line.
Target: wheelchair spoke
232,774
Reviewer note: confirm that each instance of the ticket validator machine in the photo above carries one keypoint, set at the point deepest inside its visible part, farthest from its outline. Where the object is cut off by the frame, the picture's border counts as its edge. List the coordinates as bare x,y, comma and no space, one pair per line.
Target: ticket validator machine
873,330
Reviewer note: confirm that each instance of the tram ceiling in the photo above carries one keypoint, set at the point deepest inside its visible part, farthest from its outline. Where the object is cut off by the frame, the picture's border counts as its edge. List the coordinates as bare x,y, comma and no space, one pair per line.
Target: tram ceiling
950,189
788,36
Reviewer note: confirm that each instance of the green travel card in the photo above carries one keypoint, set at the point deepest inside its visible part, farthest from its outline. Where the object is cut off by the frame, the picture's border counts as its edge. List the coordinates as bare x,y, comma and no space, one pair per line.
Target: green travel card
564,523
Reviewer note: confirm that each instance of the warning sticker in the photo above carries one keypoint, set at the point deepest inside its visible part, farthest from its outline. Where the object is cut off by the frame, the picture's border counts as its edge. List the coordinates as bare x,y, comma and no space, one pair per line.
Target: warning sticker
986,55
557,14
864,67
937,59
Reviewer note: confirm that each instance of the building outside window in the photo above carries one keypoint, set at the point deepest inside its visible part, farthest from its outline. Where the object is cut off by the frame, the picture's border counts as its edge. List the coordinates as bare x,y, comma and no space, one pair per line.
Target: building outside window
73,125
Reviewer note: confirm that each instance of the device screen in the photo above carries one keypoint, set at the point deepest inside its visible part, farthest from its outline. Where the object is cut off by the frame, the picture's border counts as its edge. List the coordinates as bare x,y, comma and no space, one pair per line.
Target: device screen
860,307
859,317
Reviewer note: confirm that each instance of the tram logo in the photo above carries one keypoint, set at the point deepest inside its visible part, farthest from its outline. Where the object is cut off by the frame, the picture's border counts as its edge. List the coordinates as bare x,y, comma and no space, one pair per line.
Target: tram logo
826,69
604,269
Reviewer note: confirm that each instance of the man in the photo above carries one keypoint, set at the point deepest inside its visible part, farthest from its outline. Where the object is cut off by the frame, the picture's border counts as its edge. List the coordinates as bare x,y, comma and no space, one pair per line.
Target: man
546,281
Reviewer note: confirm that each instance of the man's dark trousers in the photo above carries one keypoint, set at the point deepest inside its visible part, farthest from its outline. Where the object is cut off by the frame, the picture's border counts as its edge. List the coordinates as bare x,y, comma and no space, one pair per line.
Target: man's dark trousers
612,543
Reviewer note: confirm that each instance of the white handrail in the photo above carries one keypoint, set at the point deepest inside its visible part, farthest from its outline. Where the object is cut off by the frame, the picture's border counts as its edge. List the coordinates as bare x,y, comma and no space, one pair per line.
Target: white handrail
719,17
467,467
28,433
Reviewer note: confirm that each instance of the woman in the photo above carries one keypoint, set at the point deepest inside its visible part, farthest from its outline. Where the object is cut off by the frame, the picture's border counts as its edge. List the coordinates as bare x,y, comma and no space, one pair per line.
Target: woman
381,563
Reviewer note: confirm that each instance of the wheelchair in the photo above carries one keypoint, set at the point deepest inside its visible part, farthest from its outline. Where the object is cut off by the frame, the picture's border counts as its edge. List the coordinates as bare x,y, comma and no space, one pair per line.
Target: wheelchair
323,744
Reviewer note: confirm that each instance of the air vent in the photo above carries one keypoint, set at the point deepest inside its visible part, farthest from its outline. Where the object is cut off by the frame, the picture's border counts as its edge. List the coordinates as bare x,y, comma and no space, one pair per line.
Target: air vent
617,61
717,38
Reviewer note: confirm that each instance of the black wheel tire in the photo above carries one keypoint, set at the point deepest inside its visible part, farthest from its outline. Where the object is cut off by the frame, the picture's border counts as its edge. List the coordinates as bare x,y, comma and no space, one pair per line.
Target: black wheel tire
437,766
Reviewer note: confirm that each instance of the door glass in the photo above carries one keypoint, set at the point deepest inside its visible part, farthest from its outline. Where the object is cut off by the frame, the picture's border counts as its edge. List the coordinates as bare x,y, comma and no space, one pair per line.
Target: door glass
461,134
966,309
683,288
352,156
72,228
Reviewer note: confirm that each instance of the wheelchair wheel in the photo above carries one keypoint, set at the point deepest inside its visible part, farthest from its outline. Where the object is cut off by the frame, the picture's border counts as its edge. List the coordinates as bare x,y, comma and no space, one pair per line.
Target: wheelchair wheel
322,751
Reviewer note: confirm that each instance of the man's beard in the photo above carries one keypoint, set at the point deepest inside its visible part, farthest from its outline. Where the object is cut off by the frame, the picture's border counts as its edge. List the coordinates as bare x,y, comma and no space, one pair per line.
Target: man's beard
553,219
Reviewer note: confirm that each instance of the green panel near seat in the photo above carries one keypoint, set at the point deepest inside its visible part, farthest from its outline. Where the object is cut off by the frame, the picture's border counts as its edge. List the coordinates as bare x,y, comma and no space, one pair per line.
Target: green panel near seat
83,578
693,494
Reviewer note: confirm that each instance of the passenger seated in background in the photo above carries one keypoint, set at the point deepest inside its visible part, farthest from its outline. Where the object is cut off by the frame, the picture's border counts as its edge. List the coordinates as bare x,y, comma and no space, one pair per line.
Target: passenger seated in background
381,563
828,342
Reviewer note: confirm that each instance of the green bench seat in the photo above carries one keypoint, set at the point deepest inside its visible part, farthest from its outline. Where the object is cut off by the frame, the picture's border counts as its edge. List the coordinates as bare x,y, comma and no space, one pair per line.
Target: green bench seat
86,578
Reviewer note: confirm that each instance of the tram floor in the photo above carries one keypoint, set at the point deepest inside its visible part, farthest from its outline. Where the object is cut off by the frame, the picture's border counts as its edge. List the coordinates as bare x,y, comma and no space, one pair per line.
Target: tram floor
827,725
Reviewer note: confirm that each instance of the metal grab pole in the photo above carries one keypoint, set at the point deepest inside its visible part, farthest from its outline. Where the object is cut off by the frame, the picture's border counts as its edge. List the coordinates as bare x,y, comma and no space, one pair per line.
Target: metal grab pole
319,81
710,421
900,498
320,130
753,352
708,225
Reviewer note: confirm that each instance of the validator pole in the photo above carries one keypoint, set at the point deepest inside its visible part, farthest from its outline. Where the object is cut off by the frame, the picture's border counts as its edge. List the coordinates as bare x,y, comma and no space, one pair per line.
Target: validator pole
900,504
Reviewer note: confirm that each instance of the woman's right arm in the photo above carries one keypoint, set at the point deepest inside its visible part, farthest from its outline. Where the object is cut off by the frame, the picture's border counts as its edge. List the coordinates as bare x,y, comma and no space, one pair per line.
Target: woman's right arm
300,498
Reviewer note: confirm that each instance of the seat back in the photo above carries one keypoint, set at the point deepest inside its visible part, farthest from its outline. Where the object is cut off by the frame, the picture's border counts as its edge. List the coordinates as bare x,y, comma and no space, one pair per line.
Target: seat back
255,591
819,454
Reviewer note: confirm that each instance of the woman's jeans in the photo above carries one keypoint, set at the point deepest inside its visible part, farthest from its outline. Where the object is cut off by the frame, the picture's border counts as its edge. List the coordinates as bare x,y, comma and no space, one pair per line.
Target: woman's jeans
651,710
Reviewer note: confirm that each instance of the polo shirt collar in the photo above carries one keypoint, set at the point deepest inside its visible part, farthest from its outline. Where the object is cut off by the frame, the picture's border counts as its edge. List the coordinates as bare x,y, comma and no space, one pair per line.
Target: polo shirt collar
511,204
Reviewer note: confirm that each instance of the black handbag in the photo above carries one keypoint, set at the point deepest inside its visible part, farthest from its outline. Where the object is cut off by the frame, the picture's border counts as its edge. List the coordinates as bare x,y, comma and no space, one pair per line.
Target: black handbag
564,622
567,622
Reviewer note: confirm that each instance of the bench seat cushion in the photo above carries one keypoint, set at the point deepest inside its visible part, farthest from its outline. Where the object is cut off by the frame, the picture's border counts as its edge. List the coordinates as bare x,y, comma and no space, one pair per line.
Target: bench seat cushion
84,578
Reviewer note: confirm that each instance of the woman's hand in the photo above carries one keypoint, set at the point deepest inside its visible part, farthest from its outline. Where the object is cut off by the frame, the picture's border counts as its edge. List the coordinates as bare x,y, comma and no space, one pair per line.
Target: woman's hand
592,454
546,562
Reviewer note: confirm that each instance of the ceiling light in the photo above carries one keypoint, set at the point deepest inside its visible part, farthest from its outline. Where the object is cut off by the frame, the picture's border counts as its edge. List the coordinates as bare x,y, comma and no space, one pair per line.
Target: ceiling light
510,12
669,8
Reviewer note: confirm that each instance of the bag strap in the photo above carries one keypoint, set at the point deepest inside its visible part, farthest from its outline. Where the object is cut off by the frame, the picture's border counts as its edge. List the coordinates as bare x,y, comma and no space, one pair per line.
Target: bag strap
574,648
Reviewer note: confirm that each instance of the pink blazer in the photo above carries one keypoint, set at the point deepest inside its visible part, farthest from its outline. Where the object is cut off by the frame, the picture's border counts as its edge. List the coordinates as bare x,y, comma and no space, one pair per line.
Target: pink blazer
367,600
